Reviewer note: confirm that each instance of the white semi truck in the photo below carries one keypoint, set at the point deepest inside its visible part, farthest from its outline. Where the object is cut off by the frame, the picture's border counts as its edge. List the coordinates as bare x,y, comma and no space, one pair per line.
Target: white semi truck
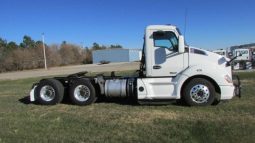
169,70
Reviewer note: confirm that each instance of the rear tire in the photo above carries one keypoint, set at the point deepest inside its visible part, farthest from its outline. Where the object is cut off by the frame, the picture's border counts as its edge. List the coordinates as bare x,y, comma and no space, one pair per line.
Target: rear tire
199,92
82,92
49,92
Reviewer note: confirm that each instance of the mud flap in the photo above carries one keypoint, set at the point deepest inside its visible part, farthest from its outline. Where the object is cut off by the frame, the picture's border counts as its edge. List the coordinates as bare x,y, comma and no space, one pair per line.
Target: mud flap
237,84
32,93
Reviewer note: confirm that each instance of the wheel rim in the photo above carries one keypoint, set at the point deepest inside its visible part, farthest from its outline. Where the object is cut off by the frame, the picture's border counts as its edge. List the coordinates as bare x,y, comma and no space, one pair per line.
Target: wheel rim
200,93
81,93
47,93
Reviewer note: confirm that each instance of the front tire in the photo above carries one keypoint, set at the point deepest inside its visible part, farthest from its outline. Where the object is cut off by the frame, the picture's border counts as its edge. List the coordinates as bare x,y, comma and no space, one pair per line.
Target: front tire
82,92
199,92
49,92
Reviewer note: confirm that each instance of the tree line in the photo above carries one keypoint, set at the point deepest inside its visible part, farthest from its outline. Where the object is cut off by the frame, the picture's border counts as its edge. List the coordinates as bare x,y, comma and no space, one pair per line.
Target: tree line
29,54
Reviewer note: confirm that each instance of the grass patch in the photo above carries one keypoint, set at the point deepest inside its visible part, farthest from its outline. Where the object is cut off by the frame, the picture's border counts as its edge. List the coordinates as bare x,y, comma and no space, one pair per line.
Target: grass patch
246,75
112,122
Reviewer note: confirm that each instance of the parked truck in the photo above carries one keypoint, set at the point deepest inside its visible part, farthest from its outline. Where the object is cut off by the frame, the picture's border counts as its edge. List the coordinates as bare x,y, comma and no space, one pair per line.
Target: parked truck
244,61
221,52
169,70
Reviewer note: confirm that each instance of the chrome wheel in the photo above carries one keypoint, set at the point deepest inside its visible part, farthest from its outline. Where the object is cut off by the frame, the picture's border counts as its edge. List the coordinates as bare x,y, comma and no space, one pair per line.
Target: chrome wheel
200,93
81,93
47,93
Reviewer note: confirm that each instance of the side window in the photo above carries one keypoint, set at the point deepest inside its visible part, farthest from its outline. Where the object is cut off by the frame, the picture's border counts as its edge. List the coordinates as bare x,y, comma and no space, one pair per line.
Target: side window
165,39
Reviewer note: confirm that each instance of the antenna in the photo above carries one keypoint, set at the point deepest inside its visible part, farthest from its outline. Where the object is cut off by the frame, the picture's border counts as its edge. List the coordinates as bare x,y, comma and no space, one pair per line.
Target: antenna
185,23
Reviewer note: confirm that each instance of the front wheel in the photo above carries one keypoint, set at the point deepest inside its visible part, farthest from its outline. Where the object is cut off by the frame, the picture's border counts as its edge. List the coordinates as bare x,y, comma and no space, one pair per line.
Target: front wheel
199,92
82,92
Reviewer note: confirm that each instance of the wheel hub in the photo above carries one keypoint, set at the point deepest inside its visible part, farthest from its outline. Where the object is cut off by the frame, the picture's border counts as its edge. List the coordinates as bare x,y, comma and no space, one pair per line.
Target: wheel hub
47,93
200,93
81,93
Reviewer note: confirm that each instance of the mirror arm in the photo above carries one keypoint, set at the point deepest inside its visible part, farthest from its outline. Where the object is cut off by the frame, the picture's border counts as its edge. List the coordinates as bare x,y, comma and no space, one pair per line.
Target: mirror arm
229,62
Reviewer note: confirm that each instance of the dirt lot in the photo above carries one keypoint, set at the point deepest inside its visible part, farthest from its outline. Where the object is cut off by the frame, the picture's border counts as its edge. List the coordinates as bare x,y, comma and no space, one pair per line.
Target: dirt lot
69,70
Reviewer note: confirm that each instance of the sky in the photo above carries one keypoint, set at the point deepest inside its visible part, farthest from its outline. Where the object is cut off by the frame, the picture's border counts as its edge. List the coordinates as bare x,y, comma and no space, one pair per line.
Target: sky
210,24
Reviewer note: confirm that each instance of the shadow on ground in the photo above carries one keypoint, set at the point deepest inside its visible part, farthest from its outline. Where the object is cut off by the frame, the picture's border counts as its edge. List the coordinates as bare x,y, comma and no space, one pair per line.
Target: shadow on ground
25,100
116,100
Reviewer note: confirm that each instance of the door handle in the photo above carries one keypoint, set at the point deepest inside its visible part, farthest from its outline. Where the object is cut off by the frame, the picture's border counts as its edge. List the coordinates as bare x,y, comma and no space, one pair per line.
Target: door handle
156,67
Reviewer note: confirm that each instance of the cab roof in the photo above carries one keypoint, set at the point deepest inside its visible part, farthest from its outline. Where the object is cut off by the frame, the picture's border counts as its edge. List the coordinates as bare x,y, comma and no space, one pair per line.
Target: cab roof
160,27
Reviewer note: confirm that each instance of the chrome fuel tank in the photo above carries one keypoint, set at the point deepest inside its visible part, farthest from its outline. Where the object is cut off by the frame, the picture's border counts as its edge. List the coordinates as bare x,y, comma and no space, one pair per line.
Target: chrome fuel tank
116,88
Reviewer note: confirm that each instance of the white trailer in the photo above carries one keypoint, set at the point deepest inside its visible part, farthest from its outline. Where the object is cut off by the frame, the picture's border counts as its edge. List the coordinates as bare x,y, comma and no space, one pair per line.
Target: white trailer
221,52
169,70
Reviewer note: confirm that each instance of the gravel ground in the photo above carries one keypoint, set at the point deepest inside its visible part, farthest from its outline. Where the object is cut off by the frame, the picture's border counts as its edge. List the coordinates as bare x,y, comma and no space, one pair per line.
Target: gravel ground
69,70
65,70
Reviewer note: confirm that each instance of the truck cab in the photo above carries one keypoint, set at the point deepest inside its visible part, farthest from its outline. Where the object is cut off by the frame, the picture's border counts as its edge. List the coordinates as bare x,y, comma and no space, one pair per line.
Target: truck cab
165,53
170,69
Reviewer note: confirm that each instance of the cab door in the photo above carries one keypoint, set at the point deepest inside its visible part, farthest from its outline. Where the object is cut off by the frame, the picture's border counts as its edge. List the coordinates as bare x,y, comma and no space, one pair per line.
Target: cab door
166,60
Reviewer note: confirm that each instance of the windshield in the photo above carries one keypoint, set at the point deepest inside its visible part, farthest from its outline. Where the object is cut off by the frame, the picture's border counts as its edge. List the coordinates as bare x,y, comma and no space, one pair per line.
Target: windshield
166,39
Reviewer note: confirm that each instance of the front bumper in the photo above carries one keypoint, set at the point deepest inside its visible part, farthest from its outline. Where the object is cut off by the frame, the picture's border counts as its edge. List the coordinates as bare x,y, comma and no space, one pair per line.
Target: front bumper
229,91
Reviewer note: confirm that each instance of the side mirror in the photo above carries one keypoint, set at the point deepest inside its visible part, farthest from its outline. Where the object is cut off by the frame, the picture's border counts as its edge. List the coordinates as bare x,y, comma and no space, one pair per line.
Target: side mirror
181,48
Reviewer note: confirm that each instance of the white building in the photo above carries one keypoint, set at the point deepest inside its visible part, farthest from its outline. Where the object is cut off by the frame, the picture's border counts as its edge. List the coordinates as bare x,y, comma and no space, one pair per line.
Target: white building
116,55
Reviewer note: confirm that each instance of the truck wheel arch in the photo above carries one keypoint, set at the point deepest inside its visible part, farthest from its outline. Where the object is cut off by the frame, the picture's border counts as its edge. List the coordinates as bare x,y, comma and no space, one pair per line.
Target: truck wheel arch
216,86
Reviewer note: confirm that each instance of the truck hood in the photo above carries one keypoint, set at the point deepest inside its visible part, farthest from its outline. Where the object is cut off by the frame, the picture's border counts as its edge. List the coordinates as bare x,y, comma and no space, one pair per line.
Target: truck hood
208,55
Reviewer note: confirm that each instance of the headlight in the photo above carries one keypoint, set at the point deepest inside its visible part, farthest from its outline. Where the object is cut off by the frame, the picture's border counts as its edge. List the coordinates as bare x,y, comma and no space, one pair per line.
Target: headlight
228,79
